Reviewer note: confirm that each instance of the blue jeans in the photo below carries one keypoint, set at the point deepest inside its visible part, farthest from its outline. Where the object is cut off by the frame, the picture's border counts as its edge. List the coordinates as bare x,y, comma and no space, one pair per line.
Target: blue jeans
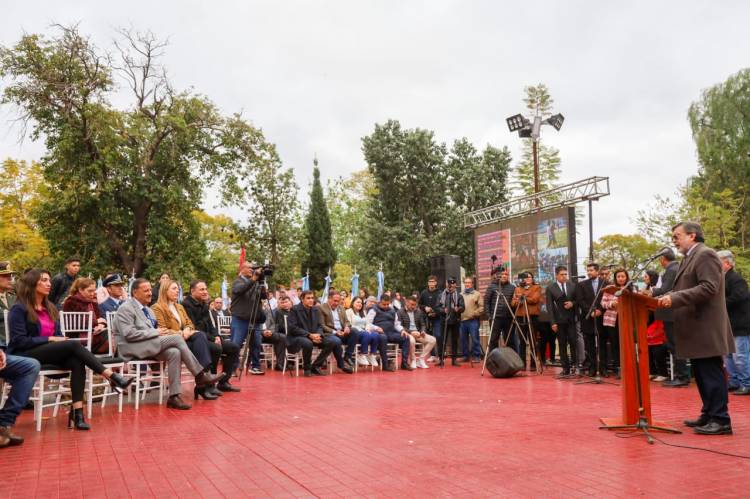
21,373
240,329
436,326
367,341
470,328
738,363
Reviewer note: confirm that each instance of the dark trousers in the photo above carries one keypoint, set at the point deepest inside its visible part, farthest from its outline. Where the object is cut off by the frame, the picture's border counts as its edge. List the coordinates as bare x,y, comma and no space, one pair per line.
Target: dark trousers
403,342
595,344
452,332
199,346
500,327
436,330
71,355
296,343
712,386
546,337
350,340
566,337
610,347
680,365
231,354
657,356
278,340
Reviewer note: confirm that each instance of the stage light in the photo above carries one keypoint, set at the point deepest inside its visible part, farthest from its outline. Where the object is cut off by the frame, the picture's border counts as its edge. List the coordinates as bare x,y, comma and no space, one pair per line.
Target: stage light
516,122
525,133
556,121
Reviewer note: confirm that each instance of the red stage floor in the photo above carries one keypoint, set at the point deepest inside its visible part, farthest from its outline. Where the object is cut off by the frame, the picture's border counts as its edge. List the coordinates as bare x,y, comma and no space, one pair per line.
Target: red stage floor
427,433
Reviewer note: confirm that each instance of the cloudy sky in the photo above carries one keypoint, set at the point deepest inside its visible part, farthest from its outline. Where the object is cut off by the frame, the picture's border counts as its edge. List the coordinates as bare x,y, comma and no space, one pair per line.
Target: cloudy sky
317,75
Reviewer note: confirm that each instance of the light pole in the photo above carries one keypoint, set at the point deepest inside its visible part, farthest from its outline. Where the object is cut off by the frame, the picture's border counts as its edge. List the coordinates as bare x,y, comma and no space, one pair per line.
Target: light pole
527,128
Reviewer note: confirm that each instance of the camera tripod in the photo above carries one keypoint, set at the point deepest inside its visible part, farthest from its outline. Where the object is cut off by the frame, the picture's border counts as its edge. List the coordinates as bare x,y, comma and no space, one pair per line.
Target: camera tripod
528,336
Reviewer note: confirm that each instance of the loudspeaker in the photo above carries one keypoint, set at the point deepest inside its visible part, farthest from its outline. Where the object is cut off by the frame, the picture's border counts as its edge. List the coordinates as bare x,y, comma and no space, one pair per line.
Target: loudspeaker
503,362
445,266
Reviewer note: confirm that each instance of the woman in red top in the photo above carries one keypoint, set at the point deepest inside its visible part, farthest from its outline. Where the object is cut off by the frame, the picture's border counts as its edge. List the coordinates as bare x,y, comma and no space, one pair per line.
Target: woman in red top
82,298
35,333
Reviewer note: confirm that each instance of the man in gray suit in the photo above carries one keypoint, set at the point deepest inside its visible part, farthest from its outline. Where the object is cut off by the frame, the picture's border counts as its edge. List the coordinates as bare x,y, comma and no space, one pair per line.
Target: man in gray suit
138,338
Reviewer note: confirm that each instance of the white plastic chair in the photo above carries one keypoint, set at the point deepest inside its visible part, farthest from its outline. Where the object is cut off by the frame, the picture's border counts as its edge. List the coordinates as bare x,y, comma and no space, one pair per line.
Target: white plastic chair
149,368
225,326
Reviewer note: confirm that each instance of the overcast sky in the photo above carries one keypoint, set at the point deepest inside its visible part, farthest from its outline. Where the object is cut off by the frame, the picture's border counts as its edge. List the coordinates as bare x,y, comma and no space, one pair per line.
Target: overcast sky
316,76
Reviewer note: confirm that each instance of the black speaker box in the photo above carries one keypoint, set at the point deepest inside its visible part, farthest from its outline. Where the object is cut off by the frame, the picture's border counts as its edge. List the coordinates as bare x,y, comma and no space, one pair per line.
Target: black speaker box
445,266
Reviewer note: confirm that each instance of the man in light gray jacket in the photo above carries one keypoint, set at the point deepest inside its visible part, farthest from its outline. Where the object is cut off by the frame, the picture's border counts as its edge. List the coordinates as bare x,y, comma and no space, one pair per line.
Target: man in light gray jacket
138,338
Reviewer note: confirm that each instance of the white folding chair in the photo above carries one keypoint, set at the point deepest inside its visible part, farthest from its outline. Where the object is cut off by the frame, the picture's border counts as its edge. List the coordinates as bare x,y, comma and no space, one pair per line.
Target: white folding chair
392,353
145,372
79,323
225,326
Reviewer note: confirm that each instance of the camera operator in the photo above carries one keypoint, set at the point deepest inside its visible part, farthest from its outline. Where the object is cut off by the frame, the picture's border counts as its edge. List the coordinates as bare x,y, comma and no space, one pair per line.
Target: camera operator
526,299
503,315
247,293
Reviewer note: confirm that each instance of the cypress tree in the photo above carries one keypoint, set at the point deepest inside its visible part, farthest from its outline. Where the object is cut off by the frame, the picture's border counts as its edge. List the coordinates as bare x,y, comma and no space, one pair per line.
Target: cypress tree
319,253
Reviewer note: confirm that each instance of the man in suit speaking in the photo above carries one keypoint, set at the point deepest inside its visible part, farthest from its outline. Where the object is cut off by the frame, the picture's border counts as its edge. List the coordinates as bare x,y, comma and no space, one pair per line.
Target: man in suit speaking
701,325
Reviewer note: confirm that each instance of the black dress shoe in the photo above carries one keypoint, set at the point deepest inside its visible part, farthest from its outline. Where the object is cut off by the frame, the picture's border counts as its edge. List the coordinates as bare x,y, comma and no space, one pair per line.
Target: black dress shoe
675,383
278,368
347,369
317,372
732,388
214,391
713,428
742,391
175,402
389,369
77,421
202,391
407,367
119,383
455,362
225,386
205,378
692,423
307,373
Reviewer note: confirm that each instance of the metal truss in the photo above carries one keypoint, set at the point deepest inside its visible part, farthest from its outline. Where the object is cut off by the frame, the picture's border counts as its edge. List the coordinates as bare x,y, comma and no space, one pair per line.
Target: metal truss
567,195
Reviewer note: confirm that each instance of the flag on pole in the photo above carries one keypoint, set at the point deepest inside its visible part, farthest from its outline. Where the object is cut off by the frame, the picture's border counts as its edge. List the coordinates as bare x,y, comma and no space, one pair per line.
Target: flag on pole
242,255
224,292
324,298
355,284
99,283
306,282
179,293
381,282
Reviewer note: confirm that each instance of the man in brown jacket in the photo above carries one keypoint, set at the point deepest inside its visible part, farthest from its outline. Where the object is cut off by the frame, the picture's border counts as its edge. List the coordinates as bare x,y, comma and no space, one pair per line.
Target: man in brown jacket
470,320
701,324
334,323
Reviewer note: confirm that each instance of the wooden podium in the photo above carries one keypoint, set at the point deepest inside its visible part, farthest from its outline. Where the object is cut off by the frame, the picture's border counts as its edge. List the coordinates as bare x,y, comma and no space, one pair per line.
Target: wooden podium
632,316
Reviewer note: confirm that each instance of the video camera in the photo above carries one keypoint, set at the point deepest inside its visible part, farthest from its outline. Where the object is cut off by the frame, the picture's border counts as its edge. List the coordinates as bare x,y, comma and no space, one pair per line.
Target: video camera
266,268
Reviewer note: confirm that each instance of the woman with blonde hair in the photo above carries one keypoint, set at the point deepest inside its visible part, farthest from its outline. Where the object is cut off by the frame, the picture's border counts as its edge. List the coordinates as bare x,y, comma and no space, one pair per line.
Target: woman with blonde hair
172,316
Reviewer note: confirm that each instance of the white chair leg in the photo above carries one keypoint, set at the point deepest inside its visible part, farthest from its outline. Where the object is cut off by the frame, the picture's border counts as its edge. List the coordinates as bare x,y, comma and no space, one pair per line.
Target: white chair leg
162,380
90,395
137,384
38,405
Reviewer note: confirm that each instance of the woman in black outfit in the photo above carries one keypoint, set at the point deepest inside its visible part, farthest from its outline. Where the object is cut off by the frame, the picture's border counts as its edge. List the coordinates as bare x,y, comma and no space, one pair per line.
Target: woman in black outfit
35,333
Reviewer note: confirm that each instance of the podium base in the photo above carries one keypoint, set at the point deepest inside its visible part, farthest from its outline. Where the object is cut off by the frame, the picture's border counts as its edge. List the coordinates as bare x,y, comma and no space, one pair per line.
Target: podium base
641,425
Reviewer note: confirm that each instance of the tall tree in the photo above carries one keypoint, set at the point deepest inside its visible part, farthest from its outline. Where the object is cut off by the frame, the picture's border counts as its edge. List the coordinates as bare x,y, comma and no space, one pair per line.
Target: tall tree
124,183
625,251
319,254
423,192
720,122
539,102
267,193
21,190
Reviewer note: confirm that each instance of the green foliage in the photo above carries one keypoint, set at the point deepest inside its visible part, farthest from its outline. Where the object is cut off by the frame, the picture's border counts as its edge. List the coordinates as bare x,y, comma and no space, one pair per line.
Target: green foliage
267,193
319,255
21,189
123,183
422,192
538,100
549,168
625,251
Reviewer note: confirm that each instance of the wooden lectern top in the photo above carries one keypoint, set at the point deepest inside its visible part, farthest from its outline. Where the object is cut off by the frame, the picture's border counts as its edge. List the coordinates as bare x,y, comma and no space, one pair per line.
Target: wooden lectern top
640,299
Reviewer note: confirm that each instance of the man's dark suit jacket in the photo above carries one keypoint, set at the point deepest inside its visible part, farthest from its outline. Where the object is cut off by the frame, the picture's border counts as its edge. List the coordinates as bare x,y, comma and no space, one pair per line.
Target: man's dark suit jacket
667,282
419,319
585,296
555,300
303,321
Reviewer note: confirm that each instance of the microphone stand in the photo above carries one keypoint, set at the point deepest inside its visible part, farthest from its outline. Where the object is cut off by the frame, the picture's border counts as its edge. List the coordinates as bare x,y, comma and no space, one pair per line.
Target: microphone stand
597,380
448,309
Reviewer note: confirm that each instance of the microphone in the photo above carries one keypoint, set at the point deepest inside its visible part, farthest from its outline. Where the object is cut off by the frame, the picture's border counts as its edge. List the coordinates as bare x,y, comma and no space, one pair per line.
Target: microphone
493,258
662,252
